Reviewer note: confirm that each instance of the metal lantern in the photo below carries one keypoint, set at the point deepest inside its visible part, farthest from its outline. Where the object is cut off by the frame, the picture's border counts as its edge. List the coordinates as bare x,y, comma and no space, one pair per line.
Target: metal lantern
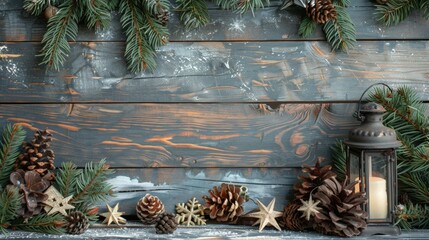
371,159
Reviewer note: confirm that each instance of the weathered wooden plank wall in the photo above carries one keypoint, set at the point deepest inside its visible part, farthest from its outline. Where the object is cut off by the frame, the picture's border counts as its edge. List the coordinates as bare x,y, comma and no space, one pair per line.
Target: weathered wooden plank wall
243,100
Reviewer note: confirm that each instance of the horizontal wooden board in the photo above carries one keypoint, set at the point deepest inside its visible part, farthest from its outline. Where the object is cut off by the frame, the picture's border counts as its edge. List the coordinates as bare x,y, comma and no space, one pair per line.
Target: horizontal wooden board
178,185
215,72
267,24
187,135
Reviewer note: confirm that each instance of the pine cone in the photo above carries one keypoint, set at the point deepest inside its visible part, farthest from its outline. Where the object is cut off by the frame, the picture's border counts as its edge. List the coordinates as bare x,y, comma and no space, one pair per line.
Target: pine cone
149,208
31,186
50,11
316,176
225,203
38,156
341,213
166,224
292,219
321,11
77,223
163,17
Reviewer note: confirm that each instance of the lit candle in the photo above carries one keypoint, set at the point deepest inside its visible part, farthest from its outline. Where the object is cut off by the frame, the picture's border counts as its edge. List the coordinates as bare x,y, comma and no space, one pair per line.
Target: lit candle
377,198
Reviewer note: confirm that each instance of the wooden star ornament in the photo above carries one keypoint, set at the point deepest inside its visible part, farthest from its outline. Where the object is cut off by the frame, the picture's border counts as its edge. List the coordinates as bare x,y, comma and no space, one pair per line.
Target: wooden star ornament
309,208
266,215
56,202
113,215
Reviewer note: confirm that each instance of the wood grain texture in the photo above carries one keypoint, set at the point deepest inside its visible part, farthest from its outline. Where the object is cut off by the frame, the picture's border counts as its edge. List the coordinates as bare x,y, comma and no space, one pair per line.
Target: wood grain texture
267,24
177,185
215,72
187,135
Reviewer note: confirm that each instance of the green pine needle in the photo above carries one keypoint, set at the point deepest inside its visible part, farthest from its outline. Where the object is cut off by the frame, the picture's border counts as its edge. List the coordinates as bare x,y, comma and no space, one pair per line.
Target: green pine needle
97,13
13,136
307,27
155,33
66,178
10,202
193,13
424,6
241,6
339,157
35,7
395,11
340,32
61,28
342,3
412,216
91,186
416,186
51,224
139,53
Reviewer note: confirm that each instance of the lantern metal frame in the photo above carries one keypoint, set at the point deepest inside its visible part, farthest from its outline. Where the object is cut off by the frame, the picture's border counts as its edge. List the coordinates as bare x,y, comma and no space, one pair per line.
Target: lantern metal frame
370,139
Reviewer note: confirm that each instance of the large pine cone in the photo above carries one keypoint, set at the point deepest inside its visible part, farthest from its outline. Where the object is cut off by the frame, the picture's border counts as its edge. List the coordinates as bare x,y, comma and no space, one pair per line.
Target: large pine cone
38,156
225,203
77,223
341,213
149,208
166,224
292,219
316,177
31,186
321,11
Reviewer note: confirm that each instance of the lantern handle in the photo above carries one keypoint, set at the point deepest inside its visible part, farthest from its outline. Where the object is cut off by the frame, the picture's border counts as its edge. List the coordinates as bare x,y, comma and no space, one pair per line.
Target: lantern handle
359,116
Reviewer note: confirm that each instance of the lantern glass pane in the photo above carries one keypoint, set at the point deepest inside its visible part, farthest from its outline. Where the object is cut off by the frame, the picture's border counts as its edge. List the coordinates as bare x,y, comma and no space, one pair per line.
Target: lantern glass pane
376,167
354,169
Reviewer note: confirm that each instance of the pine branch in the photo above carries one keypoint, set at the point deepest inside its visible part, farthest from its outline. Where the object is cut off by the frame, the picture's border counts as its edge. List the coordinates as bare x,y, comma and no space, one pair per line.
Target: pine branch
307,27
394,11
139,54
193,13
424,6
412,216
61,28
52,224
241,6
416,185
113,4
342,3
35,7
10,202
339,157
91,185
97,13
340,32
13,136
66,178
155,33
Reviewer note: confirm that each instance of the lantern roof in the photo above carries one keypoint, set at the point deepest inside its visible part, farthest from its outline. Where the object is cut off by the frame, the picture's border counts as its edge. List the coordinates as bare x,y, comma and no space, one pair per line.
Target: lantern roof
372,134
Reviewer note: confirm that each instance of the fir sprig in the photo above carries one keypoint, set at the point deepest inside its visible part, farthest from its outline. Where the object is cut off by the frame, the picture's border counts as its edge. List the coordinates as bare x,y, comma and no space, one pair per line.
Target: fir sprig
307,27
241,6
395,11
10,202
412,216
424,6
97,13
340,32
416,186
193,13
339,156
13,136
91,185
139,53
66,178
35,7
62,27
155,32
43,223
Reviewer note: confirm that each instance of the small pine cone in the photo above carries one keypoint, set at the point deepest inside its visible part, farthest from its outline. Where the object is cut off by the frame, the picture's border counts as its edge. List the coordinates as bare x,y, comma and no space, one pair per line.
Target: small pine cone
321,11
225,203
163,17
166,224
149,208
315,177
38,155
50,11
77,223
292,219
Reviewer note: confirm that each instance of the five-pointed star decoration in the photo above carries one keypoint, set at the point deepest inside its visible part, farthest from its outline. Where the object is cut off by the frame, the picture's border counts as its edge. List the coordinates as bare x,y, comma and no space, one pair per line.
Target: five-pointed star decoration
113,215
309,208
56,202
266,215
